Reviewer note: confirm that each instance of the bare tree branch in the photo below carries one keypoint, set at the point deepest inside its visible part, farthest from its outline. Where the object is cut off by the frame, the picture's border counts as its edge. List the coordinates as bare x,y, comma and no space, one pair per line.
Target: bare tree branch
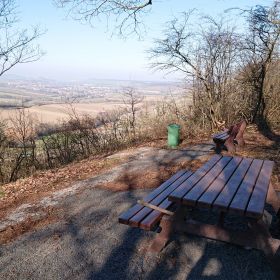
262,45
126,13
15,46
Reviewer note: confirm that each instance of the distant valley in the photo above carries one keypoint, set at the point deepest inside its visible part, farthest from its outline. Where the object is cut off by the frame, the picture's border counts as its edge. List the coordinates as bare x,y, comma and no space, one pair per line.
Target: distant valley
49,100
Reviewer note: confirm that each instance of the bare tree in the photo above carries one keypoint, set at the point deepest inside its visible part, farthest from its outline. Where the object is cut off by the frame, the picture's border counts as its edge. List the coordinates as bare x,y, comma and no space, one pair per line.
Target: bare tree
261,46
22,132
127,13
206,56
16,46
23,125
3,144
132,99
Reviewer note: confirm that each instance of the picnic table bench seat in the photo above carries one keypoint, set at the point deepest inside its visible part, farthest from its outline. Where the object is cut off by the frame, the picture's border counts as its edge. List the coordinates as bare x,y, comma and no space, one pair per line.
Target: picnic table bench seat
231,137
147,218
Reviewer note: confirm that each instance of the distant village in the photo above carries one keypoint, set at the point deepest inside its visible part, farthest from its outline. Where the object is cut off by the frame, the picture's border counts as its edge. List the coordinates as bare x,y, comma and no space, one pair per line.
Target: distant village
14,93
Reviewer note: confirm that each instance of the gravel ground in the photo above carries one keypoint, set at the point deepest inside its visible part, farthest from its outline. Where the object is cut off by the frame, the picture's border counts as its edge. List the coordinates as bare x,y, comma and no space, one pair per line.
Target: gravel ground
89,243
140,161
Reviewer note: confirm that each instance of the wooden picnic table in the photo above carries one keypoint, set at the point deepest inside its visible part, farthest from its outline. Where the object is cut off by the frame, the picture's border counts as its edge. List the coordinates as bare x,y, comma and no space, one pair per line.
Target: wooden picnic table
228,185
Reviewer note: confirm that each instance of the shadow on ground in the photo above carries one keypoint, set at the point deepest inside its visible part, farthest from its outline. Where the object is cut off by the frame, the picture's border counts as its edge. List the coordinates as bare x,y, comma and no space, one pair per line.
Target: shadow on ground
88,243
265,129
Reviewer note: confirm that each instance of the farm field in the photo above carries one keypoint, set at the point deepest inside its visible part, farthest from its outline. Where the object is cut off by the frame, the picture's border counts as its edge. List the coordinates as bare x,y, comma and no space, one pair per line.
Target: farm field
52,113
49,101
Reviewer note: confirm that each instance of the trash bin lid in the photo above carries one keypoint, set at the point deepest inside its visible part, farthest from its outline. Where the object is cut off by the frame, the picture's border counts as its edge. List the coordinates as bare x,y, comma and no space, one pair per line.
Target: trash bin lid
174,125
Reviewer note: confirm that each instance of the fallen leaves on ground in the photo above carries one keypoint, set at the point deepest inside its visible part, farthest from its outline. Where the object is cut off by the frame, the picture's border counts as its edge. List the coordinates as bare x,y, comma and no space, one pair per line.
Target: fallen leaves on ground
14,231
42,183
144,179
259,146
45,182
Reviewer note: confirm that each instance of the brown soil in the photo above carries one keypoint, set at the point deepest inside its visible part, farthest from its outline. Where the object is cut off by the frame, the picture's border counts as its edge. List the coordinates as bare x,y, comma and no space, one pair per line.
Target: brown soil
12,232
149,178
259,146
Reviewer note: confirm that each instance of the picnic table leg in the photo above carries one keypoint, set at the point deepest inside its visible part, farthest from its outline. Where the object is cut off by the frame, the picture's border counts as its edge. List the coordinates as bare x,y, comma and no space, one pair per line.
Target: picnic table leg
230,145
240,142
168,226
239,137
218,148
263,239
273,199
270,246
162,238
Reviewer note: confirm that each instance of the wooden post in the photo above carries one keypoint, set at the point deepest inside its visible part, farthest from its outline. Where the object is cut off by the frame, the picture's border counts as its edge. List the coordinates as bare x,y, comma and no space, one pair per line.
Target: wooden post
162,238
168,225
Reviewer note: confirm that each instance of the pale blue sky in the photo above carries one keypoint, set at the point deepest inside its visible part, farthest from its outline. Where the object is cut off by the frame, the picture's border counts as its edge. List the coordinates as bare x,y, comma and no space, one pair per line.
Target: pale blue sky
77,51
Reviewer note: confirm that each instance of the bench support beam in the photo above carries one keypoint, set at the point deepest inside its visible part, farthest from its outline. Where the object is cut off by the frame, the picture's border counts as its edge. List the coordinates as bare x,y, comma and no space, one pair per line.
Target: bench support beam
154,207
257,237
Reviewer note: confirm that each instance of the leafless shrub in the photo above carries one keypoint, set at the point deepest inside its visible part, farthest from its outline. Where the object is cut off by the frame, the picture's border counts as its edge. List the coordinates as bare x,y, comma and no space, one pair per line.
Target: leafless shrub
207,57
18,148
132,101
26,145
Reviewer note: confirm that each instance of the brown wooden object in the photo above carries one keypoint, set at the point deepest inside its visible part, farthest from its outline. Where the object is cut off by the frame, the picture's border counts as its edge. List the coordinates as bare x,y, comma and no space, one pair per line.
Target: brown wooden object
231,137
226,184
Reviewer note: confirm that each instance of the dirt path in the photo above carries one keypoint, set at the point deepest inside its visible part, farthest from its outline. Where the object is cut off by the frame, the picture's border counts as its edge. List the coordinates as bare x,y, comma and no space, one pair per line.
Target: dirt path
78,236
88,243
145,167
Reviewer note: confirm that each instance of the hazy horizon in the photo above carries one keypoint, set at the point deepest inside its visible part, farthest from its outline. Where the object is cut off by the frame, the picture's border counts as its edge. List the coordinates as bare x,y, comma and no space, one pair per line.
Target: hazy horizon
21,77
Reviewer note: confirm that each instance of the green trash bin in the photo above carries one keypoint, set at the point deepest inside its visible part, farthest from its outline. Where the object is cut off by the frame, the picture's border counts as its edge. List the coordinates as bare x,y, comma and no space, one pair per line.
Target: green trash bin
173,135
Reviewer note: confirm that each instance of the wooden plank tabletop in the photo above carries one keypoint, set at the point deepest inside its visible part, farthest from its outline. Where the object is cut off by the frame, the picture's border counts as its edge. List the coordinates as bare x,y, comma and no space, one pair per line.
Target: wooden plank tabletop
230,184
